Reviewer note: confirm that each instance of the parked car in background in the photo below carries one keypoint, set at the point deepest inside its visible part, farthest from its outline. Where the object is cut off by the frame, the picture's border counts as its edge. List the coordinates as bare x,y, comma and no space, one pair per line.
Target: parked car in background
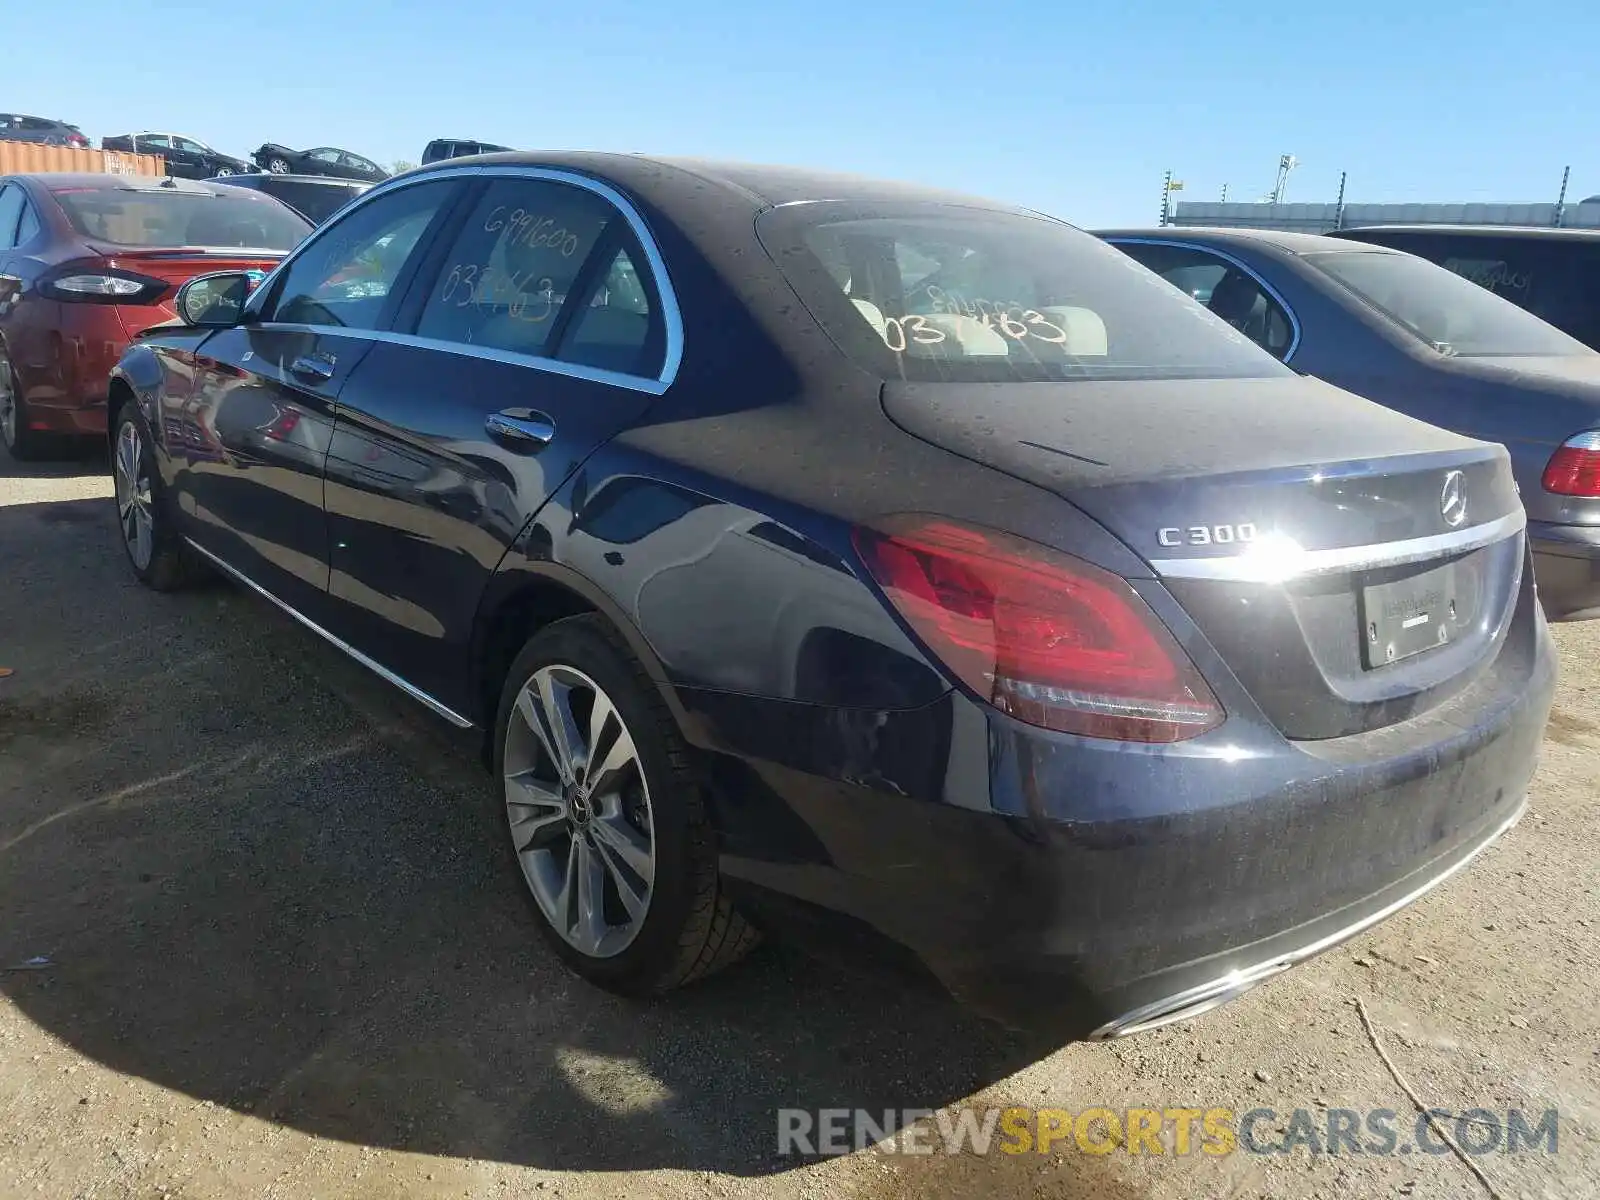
89,261
314,198
1417,338
14,127
443,148
1553,273
830,554
323,160
187,158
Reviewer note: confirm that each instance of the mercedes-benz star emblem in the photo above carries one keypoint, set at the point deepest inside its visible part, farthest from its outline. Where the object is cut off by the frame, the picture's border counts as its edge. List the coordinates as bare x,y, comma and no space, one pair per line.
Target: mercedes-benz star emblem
1453,500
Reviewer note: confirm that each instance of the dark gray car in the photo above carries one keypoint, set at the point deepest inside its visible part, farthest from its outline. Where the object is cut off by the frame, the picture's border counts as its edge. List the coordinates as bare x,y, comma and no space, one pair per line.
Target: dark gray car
1420,339
18,127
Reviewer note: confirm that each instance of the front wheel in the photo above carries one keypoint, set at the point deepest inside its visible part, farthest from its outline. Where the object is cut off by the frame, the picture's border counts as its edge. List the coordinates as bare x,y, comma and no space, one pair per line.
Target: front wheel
278,166
225,172
144,521
606,818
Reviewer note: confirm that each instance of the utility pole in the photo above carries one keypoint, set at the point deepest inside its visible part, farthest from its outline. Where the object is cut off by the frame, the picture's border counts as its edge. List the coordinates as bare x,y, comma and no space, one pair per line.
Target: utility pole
1338,207
1561,200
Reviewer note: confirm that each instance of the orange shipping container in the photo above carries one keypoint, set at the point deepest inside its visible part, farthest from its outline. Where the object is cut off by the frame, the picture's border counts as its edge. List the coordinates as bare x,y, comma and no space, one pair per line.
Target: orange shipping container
31,158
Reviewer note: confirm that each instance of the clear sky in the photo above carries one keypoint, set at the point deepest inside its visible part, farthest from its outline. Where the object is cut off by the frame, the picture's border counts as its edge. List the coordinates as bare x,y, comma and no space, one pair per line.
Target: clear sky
1073,108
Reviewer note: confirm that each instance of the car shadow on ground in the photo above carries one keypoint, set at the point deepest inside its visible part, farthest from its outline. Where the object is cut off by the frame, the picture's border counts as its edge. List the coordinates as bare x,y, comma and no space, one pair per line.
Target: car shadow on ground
263,879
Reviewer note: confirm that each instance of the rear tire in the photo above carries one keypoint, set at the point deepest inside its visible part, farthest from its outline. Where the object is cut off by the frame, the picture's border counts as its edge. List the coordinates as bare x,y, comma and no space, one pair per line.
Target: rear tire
25,445
146,523
653,915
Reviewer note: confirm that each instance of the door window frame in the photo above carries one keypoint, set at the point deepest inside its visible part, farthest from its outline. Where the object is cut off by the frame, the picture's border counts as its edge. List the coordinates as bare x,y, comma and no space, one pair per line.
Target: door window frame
1243,267
424,267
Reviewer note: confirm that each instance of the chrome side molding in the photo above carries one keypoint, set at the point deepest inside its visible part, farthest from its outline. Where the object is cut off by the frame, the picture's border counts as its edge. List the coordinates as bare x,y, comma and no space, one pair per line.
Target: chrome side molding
377,668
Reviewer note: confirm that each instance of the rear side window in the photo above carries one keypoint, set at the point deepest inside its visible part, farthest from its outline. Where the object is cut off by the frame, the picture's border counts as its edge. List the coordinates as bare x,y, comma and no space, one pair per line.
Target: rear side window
514,265
1230,292
10,211
151,217
929,292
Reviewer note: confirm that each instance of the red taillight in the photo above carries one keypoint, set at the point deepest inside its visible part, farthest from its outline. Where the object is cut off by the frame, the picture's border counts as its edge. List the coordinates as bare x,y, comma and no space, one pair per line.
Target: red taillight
1574,469
1045,637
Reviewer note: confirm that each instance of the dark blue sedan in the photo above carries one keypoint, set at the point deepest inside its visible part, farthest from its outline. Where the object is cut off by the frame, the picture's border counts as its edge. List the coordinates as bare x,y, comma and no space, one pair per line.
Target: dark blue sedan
1418,338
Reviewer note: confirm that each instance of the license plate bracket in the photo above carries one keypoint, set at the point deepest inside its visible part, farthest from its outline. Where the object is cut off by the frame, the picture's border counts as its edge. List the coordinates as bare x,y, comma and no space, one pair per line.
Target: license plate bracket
1407,616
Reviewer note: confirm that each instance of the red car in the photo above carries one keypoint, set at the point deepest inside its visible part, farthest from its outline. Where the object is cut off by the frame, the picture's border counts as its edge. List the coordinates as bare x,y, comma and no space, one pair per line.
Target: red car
89,261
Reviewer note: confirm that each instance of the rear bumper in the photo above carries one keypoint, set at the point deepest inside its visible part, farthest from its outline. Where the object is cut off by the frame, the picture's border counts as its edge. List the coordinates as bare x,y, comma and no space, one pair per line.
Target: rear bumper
1566,563
1091,888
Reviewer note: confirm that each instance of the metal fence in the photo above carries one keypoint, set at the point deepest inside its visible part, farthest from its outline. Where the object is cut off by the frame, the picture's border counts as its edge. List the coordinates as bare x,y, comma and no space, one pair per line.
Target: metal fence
1319,218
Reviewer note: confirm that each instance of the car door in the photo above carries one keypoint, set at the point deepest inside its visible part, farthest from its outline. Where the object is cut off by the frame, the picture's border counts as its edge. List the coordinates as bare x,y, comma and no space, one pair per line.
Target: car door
324,160
354,166
534,332
264,393
159,143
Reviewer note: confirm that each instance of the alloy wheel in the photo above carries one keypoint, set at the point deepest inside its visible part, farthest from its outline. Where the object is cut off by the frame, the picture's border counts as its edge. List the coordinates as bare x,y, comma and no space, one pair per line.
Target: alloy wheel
278,167
224,172
133,496
579,811
8,405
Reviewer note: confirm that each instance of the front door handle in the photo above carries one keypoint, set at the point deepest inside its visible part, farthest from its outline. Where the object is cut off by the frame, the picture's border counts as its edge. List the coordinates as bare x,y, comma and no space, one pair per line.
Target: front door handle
313,366
522,425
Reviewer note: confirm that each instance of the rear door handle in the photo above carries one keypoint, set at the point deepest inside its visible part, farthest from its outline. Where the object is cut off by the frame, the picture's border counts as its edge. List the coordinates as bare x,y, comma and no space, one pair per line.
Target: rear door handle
313,366
524,426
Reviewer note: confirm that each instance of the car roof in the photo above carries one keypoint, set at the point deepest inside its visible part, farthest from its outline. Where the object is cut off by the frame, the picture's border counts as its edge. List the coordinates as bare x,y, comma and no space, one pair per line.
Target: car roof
765,185
1280,239
1521,231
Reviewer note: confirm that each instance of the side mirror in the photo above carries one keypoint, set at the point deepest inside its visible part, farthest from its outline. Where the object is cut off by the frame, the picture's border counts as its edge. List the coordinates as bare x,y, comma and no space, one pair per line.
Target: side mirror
215,301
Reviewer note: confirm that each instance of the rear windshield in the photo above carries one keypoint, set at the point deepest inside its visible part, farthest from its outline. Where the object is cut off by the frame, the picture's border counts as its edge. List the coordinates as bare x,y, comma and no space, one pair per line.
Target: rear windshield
1450,313
931,292
154,219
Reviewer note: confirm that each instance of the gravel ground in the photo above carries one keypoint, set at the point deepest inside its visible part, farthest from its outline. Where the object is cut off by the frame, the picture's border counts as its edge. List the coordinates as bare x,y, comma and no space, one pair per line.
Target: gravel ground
285,956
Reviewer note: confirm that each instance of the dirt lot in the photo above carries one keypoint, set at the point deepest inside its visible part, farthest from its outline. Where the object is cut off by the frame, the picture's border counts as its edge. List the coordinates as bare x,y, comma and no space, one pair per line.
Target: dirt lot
284,956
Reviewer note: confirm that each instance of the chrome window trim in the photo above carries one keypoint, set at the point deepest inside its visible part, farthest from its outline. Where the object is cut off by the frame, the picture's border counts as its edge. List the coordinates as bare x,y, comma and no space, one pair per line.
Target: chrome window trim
410,689
554,366
671,314
1204,248
1302,564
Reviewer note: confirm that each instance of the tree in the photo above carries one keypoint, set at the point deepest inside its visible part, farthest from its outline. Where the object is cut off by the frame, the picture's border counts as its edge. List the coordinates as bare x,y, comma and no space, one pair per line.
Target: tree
399,165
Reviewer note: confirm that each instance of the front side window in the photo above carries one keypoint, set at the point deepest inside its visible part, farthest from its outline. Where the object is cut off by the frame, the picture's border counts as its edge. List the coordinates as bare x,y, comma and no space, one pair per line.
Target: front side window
190,146
1230,292
347,273
930,292
325,154
1449,312
504,282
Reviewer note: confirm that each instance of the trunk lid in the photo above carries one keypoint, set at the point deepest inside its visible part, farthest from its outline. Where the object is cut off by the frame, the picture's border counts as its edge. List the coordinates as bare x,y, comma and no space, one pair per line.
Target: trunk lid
1350,565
